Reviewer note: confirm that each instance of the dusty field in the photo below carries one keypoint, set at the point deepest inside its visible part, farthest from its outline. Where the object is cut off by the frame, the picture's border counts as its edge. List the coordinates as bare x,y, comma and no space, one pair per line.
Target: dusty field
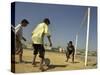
57,63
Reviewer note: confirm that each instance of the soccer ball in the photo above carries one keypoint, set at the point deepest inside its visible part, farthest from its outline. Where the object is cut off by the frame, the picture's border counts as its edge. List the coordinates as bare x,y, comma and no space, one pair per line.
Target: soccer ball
47,61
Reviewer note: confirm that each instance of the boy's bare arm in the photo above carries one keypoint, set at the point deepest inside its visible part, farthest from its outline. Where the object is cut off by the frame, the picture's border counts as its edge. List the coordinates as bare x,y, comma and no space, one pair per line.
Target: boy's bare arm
49,38
24,38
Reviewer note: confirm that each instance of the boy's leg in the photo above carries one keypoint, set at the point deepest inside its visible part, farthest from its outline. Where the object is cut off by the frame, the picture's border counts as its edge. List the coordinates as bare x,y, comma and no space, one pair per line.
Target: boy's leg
19,49
21,55
35,46
41,62
67,55
42,54
73,57
34,58
17,46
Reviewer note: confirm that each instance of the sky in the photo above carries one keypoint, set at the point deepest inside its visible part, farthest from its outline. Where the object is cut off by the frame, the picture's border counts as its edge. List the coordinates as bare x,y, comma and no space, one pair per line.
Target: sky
65,22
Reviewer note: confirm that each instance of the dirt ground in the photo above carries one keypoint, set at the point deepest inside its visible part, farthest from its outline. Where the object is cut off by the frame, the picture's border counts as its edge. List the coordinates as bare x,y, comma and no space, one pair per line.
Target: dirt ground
57,63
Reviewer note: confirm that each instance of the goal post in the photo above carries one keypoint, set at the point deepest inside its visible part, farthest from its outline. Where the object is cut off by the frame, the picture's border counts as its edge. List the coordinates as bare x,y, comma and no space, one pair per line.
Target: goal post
87,36
76,40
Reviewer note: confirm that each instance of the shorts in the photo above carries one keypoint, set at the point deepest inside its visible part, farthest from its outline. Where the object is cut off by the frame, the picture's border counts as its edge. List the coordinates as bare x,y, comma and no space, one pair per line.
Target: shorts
69,53
39,48
19,48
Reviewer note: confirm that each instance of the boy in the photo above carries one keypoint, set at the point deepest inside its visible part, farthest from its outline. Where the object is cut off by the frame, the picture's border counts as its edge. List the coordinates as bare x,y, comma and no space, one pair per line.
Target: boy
19,37
70,50
37,38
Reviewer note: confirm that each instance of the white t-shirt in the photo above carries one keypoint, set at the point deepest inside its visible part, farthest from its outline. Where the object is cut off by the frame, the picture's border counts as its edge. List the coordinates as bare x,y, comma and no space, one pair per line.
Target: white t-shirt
19,31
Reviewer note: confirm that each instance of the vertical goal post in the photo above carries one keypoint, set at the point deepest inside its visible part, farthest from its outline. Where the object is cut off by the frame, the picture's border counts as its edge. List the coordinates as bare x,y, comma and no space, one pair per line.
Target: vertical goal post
86,16
87,36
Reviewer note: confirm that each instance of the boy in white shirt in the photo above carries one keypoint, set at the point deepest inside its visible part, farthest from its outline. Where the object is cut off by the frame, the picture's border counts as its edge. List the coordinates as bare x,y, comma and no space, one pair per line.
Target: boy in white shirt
37,38
19,37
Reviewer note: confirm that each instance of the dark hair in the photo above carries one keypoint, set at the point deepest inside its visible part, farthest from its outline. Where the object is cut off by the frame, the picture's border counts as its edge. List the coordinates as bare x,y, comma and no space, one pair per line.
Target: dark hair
25,21
46,20
70,42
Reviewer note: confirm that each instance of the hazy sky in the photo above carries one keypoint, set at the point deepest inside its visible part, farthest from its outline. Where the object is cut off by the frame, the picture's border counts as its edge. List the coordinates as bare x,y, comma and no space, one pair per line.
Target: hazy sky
65,22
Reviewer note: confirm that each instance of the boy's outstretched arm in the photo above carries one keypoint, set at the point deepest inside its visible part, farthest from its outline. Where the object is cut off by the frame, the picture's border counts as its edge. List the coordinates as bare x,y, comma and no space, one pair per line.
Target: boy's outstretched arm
49,38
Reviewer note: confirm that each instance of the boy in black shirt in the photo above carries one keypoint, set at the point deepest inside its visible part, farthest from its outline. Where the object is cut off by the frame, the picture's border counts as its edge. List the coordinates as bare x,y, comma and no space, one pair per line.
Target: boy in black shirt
70,51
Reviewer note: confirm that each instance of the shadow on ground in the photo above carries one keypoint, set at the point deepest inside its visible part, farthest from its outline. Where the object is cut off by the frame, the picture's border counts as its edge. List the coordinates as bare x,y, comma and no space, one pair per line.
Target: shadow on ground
26,62
54,66
75,62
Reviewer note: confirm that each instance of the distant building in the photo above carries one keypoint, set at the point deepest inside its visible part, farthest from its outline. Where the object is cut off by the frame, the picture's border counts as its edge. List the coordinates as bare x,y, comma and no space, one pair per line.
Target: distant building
61,49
